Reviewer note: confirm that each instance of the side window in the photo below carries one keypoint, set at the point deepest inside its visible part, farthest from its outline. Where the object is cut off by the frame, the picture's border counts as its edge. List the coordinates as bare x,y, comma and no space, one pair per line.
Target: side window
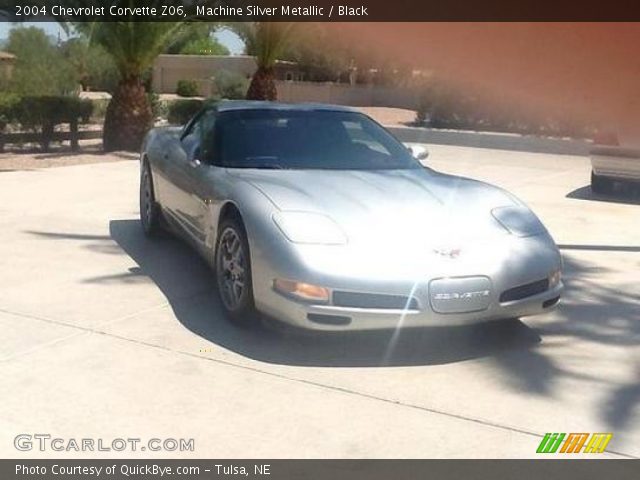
193,132
207,127
191,139
191,127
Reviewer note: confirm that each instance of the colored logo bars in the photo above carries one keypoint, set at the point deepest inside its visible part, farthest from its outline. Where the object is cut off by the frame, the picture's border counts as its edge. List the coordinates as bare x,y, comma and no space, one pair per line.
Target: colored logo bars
574,443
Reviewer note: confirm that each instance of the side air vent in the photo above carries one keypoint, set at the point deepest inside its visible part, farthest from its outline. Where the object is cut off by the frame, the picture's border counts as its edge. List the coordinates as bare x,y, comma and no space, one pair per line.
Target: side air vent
524,291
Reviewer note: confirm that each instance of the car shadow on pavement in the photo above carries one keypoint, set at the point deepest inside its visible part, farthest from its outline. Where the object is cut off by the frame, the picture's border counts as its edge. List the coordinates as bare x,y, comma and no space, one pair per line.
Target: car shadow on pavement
188,284
622,194
600,318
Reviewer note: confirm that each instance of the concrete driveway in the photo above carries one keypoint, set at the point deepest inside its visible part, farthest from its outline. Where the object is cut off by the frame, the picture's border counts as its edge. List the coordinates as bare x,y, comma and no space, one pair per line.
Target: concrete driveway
106,335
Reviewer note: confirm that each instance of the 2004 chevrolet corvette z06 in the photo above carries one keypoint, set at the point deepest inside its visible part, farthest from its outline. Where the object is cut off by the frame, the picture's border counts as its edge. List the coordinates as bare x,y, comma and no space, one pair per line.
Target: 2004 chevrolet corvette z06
317,216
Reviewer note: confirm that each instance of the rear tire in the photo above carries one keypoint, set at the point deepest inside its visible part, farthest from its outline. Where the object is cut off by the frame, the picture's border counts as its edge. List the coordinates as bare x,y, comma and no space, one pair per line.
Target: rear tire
600,184
233,273
150,216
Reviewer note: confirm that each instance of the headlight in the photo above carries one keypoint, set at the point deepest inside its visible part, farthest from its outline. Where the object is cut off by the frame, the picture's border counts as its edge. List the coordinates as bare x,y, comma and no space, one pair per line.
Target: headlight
518,220
307,227
554,278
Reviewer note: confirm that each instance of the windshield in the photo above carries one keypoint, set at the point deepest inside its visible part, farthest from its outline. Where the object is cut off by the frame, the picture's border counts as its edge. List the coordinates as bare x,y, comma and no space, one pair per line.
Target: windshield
295,139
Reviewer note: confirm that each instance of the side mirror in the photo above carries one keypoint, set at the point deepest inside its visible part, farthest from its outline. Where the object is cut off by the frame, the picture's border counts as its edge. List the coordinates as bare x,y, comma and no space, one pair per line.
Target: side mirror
418,151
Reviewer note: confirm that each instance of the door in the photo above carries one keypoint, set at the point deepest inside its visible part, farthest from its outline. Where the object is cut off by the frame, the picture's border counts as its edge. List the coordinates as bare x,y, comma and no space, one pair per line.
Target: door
198,178
182,158
203,178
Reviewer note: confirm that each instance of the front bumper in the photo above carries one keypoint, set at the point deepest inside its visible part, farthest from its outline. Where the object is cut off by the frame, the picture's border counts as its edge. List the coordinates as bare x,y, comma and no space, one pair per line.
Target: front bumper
470,289
337,318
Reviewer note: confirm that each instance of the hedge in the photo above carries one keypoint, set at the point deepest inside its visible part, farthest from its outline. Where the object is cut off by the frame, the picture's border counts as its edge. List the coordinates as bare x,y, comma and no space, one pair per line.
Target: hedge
8,102
443,106
42,115
187,88
181,111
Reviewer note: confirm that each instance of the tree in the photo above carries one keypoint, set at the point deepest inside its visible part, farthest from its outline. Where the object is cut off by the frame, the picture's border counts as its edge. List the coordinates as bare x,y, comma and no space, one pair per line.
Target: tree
318,54
190,32
40,68
197,39
204,46
133,46
93,66
265,41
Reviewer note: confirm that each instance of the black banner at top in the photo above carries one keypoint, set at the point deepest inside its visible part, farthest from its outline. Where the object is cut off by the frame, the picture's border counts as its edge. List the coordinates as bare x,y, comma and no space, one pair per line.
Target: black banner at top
318,10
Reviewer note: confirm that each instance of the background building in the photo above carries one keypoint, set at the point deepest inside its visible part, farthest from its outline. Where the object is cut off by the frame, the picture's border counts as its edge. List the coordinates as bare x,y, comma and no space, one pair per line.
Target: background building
6,63
168,70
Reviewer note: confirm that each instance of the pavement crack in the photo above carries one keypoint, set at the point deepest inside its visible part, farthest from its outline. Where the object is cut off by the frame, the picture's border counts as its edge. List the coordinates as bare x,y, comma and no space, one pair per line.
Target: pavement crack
80,330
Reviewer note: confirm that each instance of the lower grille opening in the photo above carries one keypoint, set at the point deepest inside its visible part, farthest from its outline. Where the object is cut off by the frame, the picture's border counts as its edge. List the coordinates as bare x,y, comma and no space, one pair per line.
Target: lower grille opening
551,302
524,291
328,319
373,300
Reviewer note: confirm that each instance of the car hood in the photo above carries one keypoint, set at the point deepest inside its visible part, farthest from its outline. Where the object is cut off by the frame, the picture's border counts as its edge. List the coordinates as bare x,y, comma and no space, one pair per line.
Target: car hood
416,204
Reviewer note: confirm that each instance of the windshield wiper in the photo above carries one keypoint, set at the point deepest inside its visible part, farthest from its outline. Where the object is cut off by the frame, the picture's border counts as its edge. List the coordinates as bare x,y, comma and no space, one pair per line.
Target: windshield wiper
265,166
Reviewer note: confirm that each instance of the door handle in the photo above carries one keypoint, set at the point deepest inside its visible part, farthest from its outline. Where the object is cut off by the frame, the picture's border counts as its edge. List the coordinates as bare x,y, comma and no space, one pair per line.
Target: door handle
195,163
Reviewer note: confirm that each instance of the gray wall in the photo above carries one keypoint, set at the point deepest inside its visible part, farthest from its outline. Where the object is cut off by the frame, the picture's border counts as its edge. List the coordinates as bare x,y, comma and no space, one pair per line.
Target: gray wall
169,69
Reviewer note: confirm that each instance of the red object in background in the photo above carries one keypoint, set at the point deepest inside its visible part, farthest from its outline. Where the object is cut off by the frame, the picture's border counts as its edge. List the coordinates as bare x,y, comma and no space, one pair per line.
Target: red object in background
588,70
606,138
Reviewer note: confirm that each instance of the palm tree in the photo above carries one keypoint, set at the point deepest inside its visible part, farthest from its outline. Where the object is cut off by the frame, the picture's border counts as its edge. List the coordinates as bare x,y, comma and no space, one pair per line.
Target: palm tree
265,41
133,47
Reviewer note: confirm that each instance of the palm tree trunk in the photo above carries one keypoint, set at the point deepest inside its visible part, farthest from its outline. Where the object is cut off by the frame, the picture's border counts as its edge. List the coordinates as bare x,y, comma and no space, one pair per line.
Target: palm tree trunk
128,118
262,85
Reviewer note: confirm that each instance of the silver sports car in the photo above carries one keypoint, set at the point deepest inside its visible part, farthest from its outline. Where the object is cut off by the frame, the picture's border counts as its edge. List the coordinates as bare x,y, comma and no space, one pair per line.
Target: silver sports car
317,216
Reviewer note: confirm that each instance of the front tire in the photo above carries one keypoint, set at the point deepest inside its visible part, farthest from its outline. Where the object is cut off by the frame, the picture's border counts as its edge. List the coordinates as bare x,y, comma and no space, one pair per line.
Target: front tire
149,208
233,272
600,184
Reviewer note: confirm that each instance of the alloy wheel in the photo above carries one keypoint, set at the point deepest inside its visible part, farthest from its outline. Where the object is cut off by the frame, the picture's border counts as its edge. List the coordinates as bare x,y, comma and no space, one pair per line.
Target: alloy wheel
147,200
231,268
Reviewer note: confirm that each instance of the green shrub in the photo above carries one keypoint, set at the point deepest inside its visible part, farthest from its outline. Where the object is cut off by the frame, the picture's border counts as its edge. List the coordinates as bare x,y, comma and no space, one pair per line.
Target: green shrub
187,88
204,46
8,102
444,106
40,67
43,114
93,67
158,107
231,85
425,105
421,114
34,111
181,111
99,108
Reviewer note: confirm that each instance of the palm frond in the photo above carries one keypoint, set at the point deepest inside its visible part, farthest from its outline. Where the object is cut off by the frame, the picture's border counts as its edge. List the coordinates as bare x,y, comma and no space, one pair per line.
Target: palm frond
132,45
264,40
